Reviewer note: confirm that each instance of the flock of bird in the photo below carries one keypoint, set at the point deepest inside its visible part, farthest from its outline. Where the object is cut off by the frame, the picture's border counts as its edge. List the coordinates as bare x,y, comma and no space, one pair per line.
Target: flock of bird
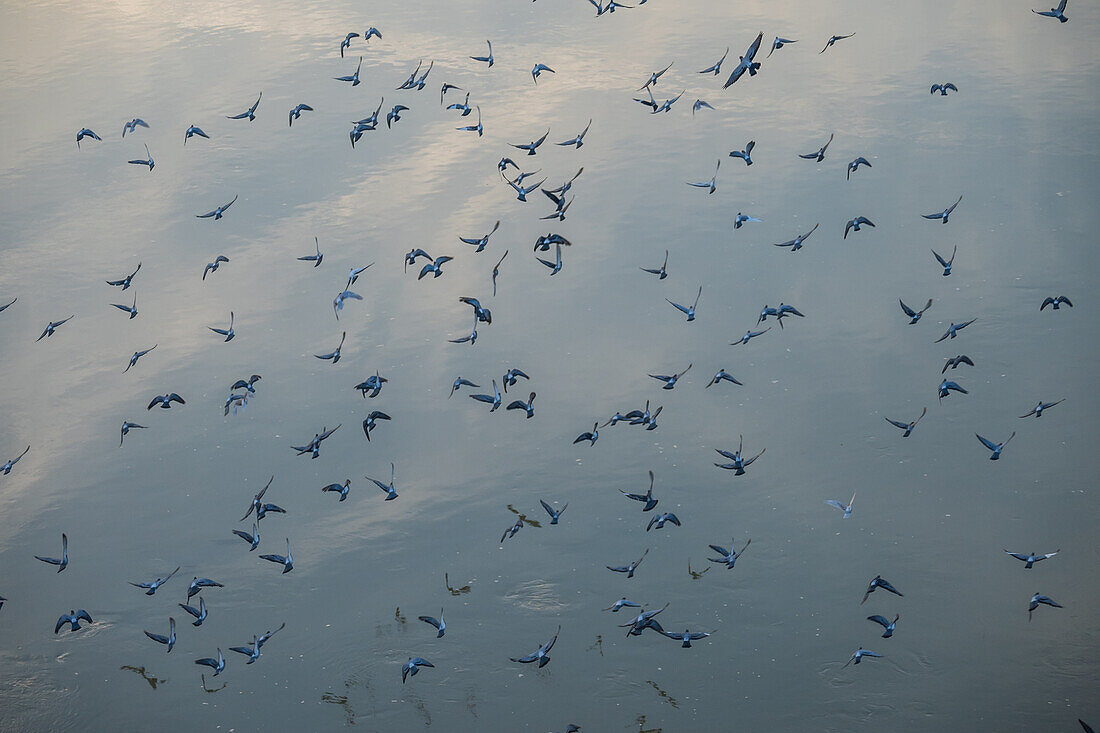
735,461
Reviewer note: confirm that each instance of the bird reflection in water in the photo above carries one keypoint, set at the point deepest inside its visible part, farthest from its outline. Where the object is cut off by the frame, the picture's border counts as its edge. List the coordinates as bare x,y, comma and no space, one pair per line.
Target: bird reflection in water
152,680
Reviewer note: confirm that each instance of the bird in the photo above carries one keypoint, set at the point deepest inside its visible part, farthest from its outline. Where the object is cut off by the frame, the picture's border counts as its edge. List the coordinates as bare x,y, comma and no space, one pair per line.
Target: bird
662,271
888,626
487,59
555,266
716,67
698,104
434,267
833,40
315,258
151,587
481,314
859,654
658,520
463,107
493,399
389,489
1037,411
133,125
796,243
61,563
287,562
779,43
296,113
126,427
746,154
191,132
591,437
749,335
169,640
394,115
629,569
533,145
197,584
250,113
914,316
252,539
955,361
354,273
942,88
338,301
538,69
8,305
738,462
6,468
1029,559
644,620
370,422
474,128
266,636
341,489
1058,12
729,557
213,266
820,155
906,426
578,141
1055,302
227,332
217,212
689,312
367,35
946,386
511,531
85,132
372,384
946,264
855,224
653,77
131,309
710,185
147,162
439,624
666,106
165,401
1037,599
252,652
481,242
721,376
51,327
256,500
855,164
73,618
747,63
741,219
996,448
413,666
846,508
216,664
460,382
945,214
617,605
353,78
541,655
686,637
528,406
334,356
650,502
314,446
554,515
954,328
199,613
879,582
671,379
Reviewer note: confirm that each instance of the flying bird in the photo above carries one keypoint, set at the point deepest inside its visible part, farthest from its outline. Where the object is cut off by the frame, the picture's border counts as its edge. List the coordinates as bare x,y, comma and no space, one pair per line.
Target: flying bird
250,113
995,448
832,41
63,561
908,427
217,212
846,508
879,582
945,214
747,63
1031,558
1058,12
1037,411
914,316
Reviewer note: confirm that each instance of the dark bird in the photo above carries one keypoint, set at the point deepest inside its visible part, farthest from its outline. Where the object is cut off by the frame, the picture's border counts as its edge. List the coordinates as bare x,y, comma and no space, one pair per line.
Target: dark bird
51,327
227,332
372,384
487,59
126,428
996,448
878,582
353,78
169,640
493,399
946,264
439,624
85,132
148,161
687,637
151,587
1037,411
953,329
945,214
1058,12
658,521
1037,599
252,652
820,154
435,267
1055,302
481,242
629,569
747,63
73,618
779,43
741,219
256,500
699,104
213,266
133,125
578,140
670,380
394,115
217,212
341,489
738,463
250,113
591,437
287,562
846,508
716,67
317,256
947,385
855,224
60,563
197,584
542,654
746,154
131,309
371,422
483,315
644,620
721,376
460,382
1031,558
533,145
528,406
832,41
390,490
215,664
855,164
653,77
942,88
474,128
647,497
906,426
749,335
796,243
662,271
314,446
617,605
712,184
248,385
165,401
463,107
887,625
413,666
859,654
955,361
6,468
555,266
191,132
538,69
334,356
554,515
914,316
8,305
296,113
199,613
252,539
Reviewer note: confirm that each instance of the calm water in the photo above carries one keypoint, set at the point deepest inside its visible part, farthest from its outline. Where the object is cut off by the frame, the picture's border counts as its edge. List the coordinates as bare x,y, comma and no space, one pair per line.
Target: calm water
931,514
